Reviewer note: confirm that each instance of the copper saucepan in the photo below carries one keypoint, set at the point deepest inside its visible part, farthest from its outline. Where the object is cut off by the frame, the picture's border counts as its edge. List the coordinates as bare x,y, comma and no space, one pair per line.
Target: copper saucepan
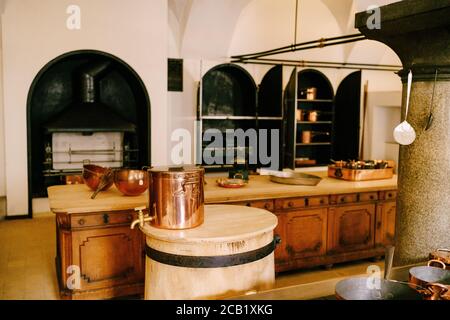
436,280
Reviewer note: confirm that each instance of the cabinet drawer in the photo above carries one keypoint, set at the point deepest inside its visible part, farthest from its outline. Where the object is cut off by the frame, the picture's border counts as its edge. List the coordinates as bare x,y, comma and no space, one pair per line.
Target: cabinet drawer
345,198
261,204
317,201
368,196
390,195
101,219
293,203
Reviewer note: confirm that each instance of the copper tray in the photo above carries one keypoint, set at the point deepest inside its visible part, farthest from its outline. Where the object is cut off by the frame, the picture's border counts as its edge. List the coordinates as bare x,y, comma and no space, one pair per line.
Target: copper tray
359,174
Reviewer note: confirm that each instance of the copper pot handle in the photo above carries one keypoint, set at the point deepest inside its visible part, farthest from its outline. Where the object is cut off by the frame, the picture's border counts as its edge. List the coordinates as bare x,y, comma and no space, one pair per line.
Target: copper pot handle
438,262
238,176
440,294
443,250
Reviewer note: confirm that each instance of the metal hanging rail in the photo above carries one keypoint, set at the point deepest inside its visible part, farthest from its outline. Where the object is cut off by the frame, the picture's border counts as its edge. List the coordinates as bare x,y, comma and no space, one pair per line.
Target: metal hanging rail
320,43
258,57
322,64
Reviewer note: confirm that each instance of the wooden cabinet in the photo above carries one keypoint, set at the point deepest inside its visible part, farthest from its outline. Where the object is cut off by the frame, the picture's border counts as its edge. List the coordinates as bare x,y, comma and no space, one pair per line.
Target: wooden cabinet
305,234
351,228
103,251
385,224
328,229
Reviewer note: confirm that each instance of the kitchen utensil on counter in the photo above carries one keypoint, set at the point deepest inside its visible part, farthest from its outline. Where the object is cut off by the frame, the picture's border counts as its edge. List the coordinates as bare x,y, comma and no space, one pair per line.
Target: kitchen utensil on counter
131,182
97,178
296,178
404,133
105,182
442,255
371,288
231,183
176,197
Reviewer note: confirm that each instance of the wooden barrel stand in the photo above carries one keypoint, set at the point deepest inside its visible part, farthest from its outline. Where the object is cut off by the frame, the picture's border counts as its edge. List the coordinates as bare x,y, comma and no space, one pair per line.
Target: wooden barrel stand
230,254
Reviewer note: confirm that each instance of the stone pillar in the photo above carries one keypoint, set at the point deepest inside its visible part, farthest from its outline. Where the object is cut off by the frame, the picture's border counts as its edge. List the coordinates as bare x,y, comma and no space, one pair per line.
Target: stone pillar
418,31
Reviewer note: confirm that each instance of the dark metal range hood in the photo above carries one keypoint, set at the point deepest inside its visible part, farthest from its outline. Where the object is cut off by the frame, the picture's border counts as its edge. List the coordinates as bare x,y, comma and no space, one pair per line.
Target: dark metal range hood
87,114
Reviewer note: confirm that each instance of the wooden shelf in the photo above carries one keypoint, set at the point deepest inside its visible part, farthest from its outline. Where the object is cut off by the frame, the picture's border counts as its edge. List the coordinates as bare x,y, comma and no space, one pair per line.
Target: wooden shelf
316,100
314,122
228,117
269,118
314,144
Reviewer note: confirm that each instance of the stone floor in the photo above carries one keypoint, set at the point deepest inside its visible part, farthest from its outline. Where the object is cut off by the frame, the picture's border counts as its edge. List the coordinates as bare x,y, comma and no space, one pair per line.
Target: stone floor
27,270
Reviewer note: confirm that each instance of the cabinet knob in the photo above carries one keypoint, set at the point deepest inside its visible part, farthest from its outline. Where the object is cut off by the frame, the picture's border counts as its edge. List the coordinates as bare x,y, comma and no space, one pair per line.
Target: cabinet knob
371,197
290,204
105,218
81,222
267,206
389,195
342,199
321,201
248,204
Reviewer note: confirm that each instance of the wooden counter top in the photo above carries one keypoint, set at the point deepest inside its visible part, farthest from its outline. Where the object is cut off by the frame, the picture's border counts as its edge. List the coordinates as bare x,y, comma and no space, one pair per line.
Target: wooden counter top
260,187
77,198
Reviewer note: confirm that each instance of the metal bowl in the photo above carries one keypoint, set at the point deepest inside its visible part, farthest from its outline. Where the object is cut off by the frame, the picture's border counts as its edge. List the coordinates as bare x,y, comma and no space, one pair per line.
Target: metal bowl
364,289
131,182
297,178
92,175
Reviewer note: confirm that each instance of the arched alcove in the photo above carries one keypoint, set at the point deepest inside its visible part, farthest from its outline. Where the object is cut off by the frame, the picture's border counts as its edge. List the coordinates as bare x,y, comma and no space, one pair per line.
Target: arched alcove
55,93
228,101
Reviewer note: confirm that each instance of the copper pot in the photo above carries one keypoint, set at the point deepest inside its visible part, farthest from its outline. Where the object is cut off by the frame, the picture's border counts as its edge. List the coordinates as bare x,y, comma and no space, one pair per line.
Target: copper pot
131,182
93,175
435,279
176,198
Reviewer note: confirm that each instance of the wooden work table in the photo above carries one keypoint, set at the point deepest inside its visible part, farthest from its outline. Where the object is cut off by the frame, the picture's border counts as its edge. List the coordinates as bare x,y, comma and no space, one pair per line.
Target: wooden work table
332,222
76,198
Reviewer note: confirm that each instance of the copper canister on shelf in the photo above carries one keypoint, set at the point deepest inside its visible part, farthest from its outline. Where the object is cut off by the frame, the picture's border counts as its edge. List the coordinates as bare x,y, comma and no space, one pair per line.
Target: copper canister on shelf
299,115
306,136
312,116
176,197
311,93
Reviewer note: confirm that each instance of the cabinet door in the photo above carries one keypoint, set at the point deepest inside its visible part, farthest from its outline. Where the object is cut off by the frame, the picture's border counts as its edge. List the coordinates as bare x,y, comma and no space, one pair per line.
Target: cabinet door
108,256
385,230
305,233
351,228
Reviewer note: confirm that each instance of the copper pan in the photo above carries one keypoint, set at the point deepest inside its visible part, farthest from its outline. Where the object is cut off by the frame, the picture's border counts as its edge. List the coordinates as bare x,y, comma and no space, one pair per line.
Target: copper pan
436,280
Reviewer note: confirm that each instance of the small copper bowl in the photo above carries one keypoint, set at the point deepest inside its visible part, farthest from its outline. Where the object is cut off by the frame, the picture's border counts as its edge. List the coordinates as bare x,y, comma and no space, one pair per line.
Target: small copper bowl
131,182
92,175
